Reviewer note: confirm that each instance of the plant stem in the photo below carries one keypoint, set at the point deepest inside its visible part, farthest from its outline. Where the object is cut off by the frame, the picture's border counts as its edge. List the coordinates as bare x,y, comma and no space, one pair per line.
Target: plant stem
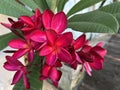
53,5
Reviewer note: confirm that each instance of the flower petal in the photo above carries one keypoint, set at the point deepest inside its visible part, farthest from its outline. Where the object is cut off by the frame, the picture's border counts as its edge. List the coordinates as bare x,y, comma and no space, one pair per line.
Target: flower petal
10,67
51,59
51,36
6,25
20,53
88,68
13,61
55,75
26,82
97,64
17,77
30,55
101,51
27,20
79,42
46,50
47,18
17,44
37,13
64,55
86,48
45,70
38,36
64,40
59,22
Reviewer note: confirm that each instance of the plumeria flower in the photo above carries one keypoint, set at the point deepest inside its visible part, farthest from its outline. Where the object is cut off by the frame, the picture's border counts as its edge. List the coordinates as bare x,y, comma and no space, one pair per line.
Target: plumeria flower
14,26
54,49
92,57
13,64
31,23
25,47
52,73
56,22
74,48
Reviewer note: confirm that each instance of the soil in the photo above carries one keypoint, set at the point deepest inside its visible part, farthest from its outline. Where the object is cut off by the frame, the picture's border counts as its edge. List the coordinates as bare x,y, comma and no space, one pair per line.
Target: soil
109,77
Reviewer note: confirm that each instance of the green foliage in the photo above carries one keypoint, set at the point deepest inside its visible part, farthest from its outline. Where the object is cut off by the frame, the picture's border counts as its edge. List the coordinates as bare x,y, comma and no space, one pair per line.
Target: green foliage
42,4
4,39
82,4
30,3
35,83
61,4
96,21
12,8
113,8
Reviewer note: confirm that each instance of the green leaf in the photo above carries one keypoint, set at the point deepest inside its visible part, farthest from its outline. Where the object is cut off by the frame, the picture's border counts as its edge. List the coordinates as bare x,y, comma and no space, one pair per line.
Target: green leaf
42,4
96,21
30,3
82,4
4,39
113,8
49,3
35,83
12,8
61,4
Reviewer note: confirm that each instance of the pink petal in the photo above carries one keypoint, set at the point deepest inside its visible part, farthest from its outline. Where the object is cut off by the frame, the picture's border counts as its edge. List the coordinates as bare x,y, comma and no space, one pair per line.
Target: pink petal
64,55
47,18
88,68
55,75
20,53
101,51
10,67
51,59
51,36
27,20
46,50
100,44
64,40
45,71
59,22
78,58
27,29
30,55
38,36
7,25
17,44
26,82
86,48
97,64
79,42
13,61
17,77
37,13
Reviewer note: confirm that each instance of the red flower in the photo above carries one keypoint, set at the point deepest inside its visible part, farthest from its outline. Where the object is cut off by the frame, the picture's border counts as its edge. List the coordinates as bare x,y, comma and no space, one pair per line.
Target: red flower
24,48
54,49
52,73
92,57
31,23
73,49
56,22
13,64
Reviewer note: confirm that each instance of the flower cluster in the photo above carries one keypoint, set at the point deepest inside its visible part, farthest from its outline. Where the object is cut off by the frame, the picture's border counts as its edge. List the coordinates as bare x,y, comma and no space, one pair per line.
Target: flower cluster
43,33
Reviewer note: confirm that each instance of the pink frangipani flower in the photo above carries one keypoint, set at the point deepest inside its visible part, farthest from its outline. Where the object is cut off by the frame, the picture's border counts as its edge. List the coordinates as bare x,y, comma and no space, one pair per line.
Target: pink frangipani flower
92,57
54,49
52,73
13,64
56,22
24,48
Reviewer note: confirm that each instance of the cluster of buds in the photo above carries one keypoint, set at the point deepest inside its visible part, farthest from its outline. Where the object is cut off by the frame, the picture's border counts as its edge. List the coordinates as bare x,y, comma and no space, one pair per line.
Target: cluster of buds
43,33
